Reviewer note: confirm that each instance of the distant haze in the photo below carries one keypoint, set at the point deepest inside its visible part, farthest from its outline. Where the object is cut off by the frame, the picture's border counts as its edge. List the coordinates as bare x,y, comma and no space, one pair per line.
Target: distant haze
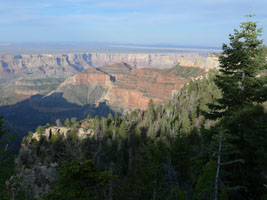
174,22
75,47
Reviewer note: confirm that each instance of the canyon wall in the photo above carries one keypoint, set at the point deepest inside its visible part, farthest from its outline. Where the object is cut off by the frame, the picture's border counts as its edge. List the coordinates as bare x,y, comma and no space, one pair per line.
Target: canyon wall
64,65
98,77
123,87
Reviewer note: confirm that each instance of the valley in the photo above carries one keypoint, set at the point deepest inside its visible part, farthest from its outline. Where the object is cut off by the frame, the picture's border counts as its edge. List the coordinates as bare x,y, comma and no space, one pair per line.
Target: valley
39,89
17,71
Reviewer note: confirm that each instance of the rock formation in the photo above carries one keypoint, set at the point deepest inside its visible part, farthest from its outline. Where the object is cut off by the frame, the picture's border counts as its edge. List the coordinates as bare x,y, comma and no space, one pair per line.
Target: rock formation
64,65
36,164
123,87
22,76
64,132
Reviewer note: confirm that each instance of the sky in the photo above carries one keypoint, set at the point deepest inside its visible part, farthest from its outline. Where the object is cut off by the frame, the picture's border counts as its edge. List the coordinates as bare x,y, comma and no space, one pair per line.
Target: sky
172,22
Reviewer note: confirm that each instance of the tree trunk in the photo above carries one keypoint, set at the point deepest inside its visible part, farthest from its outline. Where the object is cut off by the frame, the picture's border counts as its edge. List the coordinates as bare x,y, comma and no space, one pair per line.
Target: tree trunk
169,167
155,190
218,168
110,184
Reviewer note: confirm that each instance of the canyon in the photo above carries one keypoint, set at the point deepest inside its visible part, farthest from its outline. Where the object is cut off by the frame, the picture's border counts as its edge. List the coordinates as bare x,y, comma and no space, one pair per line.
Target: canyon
64,65
39,89
22,76
123,87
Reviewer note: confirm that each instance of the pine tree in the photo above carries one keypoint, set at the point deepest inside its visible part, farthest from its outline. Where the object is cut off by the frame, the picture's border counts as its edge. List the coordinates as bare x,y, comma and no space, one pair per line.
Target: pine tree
239,79
151,111
80,180
6,160
244,88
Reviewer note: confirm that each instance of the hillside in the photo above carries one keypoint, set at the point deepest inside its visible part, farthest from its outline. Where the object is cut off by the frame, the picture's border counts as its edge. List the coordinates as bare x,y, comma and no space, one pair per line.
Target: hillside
139,143
166,152
94,91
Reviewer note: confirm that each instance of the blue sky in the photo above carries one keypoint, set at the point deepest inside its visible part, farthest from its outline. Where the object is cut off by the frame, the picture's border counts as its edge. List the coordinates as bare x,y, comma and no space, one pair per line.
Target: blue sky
187,22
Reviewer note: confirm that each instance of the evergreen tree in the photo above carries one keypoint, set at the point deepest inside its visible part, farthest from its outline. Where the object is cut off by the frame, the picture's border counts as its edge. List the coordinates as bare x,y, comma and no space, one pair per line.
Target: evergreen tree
244,88
239,78
81,181
67,122
151,111
5,161
2,130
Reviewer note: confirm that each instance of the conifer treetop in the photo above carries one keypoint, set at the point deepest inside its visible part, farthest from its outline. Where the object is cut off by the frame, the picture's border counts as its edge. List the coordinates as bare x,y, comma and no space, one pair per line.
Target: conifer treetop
240,65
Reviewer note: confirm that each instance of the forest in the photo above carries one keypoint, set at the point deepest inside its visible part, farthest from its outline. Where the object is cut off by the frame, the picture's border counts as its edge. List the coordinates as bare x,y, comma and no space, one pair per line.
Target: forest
208,142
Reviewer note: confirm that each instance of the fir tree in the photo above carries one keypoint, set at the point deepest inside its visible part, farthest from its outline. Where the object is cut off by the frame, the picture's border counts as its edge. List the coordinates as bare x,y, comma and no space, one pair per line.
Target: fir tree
239,79
6,159
80,180
243,87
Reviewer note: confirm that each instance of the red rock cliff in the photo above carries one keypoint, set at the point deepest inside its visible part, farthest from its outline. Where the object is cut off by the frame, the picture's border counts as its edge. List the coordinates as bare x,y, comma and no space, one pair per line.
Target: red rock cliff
128,88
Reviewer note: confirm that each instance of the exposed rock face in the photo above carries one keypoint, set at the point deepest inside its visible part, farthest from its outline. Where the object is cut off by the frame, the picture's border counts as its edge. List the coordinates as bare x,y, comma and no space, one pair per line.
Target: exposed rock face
64,132
64,65
15,91
161,60
125,88
36,86
35,181
20,75
211,62
36,165
47,65
135,90
86,82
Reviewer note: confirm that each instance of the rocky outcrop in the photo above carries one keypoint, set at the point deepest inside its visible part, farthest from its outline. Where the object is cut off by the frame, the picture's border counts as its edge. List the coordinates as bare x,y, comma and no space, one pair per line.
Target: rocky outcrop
37,163
160,60
125,88
35,181
63,132
56,66
210,62
135,90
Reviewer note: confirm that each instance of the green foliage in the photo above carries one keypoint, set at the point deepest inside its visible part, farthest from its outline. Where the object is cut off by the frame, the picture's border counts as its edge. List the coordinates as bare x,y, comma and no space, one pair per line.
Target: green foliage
6,159
184,72
265,50
40,130
205,182
241,63
176,193
151,111
56,141
80,180
242,119
2,129
67,122
250,129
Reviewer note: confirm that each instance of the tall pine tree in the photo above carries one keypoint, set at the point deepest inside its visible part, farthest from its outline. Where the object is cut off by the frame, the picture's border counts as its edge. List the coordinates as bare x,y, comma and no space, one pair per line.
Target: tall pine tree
244,87
240,65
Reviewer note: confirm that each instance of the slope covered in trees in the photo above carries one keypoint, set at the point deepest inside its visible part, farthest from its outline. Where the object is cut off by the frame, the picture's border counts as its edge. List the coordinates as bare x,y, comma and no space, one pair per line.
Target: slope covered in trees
153,154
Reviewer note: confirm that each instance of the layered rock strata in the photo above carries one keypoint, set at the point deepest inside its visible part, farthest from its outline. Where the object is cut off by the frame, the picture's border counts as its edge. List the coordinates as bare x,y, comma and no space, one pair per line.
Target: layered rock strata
64,65
123,87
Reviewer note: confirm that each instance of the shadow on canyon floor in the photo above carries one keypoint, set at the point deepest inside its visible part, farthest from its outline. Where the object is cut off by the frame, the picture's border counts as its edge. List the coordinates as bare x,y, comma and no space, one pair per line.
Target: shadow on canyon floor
28,114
